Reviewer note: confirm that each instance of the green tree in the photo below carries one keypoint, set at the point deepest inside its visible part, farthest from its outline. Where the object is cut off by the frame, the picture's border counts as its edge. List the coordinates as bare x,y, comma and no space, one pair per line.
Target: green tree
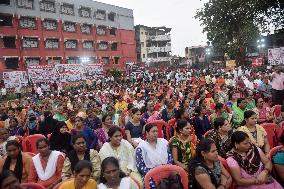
231,25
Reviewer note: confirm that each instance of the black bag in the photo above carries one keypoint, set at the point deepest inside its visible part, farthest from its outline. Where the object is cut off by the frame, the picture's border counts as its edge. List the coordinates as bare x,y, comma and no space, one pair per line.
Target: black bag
172,182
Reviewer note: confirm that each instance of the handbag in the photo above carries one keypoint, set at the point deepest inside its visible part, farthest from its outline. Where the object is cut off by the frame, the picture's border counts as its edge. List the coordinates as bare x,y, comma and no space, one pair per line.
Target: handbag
173,181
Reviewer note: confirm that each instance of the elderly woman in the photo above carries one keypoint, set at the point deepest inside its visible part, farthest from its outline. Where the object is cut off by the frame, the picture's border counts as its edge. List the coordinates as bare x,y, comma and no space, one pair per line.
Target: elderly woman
249,166
263,112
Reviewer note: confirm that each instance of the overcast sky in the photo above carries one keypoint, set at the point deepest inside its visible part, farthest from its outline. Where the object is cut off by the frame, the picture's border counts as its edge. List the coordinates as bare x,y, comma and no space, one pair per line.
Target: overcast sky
176,14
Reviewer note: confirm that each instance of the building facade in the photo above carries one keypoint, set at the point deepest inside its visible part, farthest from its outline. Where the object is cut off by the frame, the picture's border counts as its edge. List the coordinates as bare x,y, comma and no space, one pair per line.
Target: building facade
42,32
153,45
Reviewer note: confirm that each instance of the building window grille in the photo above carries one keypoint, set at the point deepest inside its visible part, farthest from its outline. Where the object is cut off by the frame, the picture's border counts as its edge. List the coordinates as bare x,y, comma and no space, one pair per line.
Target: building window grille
69,27
27,4
50,24
54,60
86,28
47,6
105,60
73,60
100,15
67,9
85,12
31,61
51,43
112,31
111,16
30,42
88,45
103,46
71,44
101,30
27,22
114,46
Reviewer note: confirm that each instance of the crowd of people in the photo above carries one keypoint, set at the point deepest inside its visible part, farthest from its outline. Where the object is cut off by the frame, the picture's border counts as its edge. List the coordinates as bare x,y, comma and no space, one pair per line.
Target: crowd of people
102,134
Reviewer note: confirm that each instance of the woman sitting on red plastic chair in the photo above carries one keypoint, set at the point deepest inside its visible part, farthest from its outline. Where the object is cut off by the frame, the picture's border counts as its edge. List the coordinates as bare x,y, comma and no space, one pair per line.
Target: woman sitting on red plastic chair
206,169
152,152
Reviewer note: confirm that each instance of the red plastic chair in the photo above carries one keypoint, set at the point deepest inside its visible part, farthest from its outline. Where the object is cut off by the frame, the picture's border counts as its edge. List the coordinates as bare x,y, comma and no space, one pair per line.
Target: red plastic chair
271,153
161,124
136,182
29,143
32,185
163,171
31,154
171,124
273,133
225,164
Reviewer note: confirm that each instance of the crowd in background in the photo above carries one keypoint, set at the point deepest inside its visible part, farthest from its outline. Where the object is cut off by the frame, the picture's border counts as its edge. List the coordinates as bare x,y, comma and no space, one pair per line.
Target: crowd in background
104,133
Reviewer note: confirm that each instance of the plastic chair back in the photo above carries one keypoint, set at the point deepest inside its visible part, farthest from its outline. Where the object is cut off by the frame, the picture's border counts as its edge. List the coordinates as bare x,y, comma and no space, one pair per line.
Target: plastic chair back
29,143
136,182
207,132
276,111
32,185
171,128
273,133
225,164
163,171
273,151
162,126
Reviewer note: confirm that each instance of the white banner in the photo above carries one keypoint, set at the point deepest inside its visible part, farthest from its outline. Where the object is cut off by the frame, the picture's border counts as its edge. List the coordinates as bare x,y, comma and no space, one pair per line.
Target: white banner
93,71
15,78
69,72
276,56
42,73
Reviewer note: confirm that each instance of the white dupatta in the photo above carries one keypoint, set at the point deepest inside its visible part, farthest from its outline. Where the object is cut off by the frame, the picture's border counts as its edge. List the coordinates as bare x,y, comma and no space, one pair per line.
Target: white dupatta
50,167
154,157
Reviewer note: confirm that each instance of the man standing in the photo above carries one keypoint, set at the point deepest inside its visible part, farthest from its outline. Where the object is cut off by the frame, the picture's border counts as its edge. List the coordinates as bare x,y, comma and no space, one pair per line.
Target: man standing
277,83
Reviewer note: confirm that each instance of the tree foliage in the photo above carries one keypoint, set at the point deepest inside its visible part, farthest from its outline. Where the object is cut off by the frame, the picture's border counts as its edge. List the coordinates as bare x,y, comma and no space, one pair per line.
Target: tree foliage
232,24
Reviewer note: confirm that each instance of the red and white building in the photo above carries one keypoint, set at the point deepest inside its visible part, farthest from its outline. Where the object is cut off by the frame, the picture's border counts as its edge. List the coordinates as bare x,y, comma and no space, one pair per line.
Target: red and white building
41,32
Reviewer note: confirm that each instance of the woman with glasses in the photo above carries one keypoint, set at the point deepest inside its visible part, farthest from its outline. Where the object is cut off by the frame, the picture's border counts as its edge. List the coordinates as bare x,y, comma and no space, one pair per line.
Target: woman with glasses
80,152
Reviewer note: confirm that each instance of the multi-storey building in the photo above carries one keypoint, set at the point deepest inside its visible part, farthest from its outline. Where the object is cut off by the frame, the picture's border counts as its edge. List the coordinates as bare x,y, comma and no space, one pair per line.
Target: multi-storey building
41,32
153,45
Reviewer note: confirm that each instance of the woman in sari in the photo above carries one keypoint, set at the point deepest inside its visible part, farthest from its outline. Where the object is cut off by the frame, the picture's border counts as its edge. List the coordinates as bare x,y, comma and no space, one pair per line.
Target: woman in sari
120,149
206,171
278,161
102,132
256,133
263,112
249,166
181,146
16,161
80,152
221,135
152,152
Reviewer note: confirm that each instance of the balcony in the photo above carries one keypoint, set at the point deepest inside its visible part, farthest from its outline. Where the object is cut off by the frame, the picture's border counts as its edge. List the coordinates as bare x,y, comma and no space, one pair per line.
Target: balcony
158,49
159,38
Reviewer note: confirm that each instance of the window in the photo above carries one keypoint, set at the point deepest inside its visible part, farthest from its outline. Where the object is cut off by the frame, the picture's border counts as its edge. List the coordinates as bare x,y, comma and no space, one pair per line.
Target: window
5,2
69,27
54,60
47,6
9,42
100,15
86,28
49,24
101,30
142,33
105,60
12,63
142,44
146,33
67,9
28,23
114,46
30,42
30,61
112,31
143,55
71,44
88,45
102,46
6,20
85,12
51,43
116,58
27,4
73,60
111,16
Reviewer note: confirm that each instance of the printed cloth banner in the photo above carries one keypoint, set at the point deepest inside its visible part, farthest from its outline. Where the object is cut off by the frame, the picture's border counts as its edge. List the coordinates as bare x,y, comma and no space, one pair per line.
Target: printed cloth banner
230,64
69,72
276,56
42,73
15,78
93,71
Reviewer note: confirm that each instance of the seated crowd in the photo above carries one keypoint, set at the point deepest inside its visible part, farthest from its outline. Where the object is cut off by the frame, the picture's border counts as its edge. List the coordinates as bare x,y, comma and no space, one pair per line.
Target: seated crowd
103,142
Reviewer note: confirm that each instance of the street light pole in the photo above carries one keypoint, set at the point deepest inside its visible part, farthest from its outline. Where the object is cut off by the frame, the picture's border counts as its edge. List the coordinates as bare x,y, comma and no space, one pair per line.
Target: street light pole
207,54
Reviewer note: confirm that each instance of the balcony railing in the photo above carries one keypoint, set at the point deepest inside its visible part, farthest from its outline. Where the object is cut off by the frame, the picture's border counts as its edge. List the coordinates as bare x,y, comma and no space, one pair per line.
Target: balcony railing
159,38
159,49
